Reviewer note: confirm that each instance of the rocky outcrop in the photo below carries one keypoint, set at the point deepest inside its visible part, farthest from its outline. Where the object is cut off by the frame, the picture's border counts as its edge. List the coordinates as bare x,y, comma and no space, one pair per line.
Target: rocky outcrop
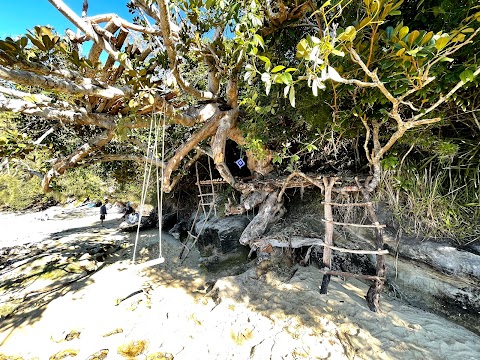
433,276
221,235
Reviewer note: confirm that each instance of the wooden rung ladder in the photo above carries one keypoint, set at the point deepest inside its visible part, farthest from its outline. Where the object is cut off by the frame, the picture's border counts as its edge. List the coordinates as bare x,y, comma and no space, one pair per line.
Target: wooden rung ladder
374,290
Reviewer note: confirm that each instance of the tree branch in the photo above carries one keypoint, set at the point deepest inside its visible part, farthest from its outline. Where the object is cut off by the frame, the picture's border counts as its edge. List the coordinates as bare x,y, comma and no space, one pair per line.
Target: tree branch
79,116
443,98
165,26
87,87
207,130
73,159
87,28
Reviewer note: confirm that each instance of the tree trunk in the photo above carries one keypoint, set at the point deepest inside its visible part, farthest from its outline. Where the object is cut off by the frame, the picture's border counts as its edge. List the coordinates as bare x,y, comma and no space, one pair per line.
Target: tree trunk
269,212
327,251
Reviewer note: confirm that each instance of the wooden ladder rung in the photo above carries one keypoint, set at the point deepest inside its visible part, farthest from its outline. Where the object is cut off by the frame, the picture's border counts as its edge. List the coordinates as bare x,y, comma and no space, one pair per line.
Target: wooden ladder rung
347,274
346,204
378,226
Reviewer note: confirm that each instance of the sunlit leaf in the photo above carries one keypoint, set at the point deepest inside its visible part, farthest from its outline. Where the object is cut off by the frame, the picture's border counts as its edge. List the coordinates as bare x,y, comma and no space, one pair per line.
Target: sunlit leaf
459,38
403,32
334,75
338,53
428,36
277,68
348,35
441,42
412,37
258,40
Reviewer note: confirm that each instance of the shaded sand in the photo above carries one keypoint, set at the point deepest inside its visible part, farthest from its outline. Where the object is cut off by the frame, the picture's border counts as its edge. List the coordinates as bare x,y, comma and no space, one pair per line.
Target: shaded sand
259,314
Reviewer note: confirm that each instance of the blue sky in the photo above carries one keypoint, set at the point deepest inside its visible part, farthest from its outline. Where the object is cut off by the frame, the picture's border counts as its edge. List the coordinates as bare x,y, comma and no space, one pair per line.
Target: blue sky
16,17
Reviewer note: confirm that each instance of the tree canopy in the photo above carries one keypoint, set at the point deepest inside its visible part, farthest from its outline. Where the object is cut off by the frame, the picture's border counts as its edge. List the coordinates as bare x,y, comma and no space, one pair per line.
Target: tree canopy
284,80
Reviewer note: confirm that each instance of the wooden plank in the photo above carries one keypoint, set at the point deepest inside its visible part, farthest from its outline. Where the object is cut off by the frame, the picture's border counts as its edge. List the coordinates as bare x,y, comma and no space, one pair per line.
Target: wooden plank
378,226
296,242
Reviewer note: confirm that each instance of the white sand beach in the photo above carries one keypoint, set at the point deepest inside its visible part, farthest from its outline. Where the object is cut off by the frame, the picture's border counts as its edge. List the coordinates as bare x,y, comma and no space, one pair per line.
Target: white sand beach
168,315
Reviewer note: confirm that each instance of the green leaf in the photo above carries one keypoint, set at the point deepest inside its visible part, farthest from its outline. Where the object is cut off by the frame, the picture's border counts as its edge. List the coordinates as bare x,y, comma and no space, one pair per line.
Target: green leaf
290,70
412,37
467,75
47,42
389,32
23,42
277,68
277,159
311,147
403,32
267,62
426,38
349,34
258,40
302,48
442,41
35,42
338,53
287,78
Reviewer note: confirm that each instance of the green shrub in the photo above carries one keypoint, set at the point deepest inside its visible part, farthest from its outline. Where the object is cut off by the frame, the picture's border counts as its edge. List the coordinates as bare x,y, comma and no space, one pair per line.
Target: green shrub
17,193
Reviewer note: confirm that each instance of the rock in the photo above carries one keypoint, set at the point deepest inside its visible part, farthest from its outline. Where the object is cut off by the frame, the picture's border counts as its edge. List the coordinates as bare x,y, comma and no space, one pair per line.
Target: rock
443,257
85,256
180,230
433,276
221,234
88,265
169,220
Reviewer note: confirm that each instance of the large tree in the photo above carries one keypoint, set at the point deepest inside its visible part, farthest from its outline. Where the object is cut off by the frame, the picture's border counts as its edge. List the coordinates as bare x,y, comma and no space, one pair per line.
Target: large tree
200,66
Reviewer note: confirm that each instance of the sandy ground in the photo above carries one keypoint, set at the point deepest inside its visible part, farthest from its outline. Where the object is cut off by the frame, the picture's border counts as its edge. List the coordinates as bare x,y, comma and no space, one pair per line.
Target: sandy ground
162,312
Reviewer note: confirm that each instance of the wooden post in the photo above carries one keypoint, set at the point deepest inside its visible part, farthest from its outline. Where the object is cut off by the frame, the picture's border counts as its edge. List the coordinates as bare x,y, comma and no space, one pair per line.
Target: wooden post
328,213
373,293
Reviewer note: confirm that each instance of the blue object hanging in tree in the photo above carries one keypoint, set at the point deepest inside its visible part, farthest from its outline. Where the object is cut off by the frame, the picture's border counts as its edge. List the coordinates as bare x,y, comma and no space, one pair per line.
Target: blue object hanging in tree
240,163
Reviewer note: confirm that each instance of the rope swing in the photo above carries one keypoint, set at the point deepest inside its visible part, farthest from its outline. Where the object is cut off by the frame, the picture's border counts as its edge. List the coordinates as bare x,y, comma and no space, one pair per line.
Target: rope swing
146,182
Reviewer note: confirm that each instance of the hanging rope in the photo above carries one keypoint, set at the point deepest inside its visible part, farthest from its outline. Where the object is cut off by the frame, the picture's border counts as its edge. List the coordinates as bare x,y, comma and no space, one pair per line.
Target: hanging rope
146,182
144,187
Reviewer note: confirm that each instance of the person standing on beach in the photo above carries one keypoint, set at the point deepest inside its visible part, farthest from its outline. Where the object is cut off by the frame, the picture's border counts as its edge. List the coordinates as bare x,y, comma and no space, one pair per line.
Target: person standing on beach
103,211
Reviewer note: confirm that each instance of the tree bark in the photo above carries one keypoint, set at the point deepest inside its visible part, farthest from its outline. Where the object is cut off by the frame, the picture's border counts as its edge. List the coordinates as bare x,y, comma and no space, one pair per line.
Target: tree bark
373,294
269,212
328,185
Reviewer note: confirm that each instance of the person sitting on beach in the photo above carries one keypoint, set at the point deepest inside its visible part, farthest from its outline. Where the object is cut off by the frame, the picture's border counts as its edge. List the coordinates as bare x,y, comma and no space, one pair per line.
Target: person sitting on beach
103,211
128,210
